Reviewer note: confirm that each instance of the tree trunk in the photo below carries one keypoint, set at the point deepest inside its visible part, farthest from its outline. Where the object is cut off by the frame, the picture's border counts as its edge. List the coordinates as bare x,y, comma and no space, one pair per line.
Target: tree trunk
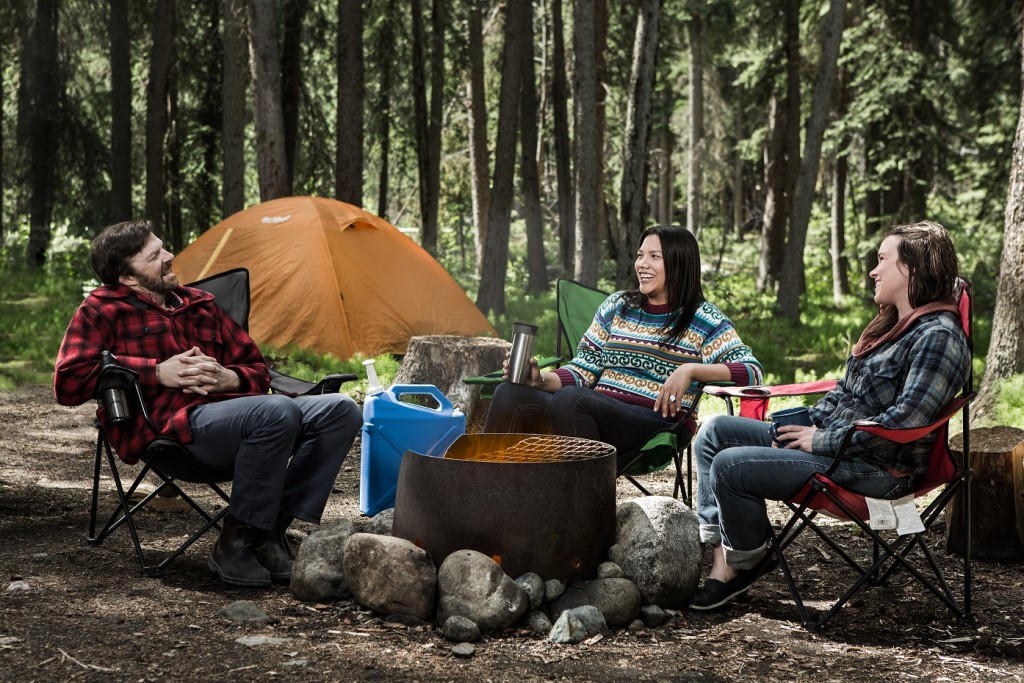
773,220
41,85
209,116
840,264
872,213
536,262
271,162
291,83
420,116
120,113
387,37
172,224
739,187
695,175
793,266
563,149
236,80
156,111
492,286
1006,349
585,147
633,192
479,159
351,92
430,225
666,174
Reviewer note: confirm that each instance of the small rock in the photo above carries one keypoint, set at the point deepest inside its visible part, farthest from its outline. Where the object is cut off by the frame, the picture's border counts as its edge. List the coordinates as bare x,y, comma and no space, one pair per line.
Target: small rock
591,618
553,589
15,586
460,630
653,615
609,570
244,610
635,626
296,662
253,641
539,623
463,650
568,629
382,522
534,586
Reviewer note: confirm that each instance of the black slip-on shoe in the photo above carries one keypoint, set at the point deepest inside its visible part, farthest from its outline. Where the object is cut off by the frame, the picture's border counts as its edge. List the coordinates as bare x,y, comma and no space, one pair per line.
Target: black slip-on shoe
714,593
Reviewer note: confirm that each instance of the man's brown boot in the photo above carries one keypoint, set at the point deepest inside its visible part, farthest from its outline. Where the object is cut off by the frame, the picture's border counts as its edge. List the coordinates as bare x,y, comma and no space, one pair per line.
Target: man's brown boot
273,550
233,558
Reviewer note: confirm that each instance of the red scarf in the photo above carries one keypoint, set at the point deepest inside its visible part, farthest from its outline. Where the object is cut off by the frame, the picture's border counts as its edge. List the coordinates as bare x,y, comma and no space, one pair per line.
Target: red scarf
865,345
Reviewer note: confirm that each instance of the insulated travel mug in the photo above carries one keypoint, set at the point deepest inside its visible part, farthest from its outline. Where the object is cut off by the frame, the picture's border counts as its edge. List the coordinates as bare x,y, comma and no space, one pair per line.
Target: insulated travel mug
523,335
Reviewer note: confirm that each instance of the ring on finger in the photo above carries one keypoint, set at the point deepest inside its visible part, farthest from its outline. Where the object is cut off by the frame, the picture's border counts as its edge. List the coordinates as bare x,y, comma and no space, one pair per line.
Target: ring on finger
672,398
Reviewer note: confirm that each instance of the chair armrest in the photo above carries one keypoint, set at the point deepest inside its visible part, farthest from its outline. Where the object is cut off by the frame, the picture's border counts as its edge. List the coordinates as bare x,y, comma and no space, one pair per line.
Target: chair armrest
497,376
754,399
901,435
281,383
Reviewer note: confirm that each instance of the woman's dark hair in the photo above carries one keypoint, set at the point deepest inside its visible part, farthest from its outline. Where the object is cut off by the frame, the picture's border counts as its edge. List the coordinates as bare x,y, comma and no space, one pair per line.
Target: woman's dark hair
115,246
682,275
927,252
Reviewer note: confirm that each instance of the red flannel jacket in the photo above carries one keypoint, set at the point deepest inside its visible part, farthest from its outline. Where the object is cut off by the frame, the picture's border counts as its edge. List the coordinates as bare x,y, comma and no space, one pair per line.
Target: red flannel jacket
141,334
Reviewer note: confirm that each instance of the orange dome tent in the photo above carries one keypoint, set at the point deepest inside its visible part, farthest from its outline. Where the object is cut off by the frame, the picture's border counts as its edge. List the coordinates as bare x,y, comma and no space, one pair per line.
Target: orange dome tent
333,278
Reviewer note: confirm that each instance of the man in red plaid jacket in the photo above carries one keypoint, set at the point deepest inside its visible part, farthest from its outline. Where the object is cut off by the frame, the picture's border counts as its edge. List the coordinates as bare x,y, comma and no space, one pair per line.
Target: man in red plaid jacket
206,382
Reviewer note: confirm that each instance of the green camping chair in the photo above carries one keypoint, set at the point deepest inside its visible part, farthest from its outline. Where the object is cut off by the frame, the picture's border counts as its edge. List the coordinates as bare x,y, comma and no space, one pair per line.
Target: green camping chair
576,305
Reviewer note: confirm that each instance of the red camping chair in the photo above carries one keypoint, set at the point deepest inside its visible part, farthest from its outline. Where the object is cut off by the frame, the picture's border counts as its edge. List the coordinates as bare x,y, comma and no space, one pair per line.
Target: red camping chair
821,495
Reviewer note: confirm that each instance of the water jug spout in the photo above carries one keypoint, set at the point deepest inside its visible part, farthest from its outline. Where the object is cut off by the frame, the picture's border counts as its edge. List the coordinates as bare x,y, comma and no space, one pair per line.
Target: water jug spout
371,374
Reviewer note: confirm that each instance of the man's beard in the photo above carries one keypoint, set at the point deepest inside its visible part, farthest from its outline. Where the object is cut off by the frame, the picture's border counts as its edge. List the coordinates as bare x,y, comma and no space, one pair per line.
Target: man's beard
157,285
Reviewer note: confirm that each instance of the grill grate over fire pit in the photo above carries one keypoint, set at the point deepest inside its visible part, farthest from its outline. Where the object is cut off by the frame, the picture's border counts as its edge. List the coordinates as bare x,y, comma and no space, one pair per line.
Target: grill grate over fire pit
544,504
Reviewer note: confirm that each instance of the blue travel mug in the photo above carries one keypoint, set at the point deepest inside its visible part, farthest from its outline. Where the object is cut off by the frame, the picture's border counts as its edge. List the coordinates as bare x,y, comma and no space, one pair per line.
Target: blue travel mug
790,416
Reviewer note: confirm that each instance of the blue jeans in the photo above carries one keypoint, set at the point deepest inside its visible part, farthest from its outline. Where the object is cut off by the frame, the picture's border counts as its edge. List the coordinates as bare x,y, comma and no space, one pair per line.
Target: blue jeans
738,470
573,411
286,452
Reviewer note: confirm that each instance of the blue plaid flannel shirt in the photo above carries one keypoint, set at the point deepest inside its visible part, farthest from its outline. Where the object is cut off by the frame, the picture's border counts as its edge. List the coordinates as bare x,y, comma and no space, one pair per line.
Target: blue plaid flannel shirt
902,384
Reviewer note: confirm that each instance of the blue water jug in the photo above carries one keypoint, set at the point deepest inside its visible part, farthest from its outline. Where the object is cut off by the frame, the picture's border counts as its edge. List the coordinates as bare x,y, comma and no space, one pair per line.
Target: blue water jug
392,426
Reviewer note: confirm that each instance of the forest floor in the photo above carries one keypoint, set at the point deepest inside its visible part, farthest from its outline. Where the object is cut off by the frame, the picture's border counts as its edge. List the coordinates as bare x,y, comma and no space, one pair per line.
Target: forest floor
70,611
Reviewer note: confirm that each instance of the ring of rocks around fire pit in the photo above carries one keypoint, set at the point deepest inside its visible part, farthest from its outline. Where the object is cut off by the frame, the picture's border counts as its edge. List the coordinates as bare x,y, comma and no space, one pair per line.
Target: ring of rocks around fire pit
653,569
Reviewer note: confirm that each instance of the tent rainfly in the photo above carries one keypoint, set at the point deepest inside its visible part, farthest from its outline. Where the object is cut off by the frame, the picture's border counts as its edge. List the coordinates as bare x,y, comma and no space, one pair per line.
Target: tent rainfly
333,278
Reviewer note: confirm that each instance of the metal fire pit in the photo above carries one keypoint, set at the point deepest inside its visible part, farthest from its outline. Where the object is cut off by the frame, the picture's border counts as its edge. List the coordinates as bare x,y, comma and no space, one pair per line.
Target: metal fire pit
544,504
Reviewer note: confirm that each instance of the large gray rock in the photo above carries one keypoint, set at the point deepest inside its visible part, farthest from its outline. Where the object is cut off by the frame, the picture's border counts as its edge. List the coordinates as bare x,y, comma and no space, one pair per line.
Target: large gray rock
472,585
658,547
390,575
317,573
617,599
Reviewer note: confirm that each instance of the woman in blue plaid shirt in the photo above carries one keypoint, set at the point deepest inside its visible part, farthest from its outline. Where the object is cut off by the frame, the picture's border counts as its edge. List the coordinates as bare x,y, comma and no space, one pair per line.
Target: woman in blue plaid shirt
910,361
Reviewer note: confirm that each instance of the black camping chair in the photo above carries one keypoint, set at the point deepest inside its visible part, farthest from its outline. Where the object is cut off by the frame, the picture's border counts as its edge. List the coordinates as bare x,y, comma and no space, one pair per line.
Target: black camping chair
168,459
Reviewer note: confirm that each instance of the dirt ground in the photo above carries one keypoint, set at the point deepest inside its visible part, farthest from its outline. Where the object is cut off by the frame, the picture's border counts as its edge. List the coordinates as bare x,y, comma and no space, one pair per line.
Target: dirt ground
70,611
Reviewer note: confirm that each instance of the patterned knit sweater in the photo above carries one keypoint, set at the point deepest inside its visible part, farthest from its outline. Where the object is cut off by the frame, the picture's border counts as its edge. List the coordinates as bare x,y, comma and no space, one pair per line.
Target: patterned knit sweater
625,355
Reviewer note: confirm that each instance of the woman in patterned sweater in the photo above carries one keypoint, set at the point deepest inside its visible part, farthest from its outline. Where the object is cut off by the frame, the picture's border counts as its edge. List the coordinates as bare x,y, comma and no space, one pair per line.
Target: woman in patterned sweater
635,369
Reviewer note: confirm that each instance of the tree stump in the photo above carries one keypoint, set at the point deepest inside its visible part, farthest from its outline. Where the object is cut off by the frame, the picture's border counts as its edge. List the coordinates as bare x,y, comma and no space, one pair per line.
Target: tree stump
997,497
443,360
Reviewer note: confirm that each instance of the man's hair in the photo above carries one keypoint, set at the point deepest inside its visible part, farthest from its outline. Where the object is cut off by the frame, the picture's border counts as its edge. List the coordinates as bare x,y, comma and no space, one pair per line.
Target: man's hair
115,246
681,257
927,251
